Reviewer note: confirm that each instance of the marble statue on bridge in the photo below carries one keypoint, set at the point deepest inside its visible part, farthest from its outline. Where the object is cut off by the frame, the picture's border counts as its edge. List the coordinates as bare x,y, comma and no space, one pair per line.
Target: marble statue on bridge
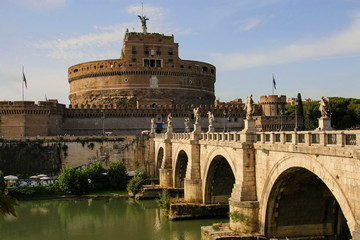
324,107
249,107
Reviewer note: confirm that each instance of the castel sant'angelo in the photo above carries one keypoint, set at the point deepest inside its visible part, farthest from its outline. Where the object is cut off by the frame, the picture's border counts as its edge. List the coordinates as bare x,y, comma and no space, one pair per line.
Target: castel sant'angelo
121,96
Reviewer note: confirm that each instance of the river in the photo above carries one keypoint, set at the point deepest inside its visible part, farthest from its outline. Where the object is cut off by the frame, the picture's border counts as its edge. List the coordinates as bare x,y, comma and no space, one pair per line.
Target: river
77,219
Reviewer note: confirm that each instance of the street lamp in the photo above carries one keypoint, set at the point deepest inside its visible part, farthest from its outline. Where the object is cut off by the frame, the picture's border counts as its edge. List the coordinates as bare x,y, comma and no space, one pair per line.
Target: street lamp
281,119
224,120
103,122
296,122
229,120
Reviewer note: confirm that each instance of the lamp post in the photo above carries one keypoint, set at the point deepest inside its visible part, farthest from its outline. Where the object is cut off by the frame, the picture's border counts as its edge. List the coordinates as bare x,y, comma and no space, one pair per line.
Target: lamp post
281,119
296,123
103,122
224,120
229,120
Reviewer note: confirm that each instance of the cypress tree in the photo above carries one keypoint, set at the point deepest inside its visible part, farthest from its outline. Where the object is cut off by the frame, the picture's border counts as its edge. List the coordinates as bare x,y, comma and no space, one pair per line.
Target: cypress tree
300,108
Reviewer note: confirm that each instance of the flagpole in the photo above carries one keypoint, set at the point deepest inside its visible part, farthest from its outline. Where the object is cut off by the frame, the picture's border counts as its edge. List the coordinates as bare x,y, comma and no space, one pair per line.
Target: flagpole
272,84
22,81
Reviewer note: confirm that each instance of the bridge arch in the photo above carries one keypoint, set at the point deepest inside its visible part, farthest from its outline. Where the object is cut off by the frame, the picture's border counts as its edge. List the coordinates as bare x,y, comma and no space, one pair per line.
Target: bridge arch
181,163
303,170
159,160
219,177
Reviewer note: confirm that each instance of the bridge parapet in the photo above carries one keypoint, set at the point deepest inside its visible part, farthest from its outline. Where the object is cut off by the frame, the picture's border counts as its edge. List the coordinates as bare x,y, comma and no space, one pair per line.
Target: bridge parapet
181,136
221,136
311,138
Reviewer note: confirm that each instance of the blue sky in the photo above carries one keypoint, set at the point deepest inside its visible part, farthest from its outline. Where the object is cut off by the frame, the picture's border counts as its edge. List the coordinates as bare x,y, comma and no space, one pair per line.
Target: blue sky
311,46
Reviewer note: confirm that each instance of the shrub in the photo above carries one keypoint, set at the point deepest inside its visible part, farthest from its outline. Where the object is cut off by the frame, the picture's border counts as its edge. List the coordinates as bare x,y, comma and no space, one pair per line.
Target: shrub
71,181
140,173
117,175
164,200
94,173
135,184
236,216
2,181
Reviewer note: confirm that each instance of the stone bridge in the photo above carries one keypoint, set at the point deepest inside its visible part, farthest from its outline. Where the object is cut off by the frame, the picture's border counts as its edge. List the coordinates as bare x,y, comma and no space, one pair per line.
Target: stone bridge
277,184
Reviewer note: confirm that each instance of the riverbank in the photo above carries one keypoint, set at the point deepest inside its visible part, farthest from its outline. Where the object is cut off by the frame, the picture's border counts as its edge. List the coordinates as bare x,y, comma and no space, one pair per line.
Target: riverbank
42,194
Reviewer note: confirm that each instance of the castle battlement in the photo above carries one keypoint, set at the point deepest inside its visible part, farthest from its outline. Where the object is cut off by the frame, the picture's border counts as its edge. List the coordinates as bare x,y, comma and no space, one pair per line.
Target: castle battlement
271,99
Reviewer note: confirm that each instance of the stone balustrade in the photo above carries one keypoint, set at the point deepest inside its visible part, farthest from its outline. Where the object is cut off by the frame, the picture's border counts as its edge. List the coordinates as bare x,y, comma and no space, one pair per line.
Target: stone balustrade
311,138
307,138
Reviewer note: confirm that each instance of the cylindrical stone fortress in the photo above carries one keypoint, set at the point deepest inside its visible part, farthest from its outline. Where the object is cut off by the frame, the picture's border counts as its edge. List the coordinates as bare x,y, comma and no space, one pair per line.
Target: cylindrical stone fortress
149,71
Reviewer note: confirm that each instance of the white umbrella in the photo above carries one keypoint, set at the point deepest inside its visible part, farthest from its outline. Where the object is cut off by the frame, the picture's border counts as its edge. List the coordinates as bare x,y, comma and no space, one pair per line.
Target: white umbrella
33,177
41,175
45,178
11,177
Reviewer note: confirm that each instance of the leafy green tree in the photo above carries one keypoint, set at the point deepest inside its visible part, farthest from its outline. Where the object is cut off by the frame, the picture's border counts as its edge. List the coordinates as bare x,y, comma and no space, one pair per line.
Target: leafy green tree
300,109
93,175
311,115
7,204
135,184
117,175
2,182
141,173
67,180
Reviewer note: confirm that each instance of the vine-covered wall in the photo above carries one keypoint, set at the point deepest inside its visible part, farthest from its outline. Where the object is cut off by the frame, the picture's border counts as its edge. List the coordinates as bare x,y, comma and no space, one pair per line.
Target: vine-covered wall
32,156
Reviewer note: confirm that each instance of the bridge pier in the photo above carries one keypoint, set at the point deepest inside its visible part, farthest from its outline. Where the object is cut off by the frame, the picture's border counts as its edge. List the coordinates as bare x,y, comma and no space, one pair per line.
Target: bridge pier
192,190
193,182
165,172
244,216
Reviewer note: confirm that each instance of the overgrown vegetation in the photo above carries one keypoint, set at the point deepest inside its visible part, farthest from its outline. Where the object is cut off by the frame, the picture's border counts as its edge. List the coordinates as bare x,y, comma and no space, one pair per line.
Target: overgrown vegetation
81,180
135,184
236,216
7,204
164,200
2,182
117,175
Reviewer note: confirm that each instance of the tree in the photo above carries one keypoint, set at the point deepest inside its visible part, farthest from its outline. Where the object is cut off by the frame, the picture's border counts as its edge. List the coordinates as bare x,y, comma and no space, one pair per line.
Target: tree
2,182
117,175
7,204
300,108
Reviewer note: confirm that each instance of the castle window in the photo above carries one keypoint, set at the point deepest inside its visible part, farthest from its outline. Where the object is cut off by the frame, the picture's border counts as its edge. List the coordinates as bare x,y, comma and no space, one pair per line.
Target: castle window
133,57
152,63
170,51
133,50
126,80
146,51
189,67
212,71
120,65
76,70
196,68
204,69
181,66
158,51
101,66
170,58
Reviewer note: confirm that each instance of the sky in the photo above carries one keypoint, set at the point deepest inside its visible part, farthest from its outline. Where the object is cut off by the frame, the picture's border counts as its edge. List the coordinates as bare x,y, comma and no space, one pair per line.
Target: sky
311,46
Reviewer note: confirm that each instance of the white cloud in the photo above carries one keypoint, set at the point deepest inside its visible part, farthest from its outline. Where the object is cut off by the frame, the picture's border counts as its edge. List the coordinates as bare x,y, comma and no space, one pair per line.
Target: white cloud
248,24
342,44
41,5
88,46
149,11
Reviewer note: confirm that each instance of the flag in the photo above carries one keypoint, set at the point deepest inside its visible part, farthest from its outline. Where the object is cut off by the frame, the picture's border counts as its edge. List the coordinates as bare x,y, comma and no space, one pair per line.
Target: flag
24,79
274,83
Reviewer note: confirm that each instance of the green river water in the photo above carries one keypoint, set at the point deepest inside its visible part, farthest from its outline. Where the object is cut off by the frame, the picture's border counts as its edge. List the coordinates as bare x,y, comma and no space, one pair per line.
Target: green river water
102,219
